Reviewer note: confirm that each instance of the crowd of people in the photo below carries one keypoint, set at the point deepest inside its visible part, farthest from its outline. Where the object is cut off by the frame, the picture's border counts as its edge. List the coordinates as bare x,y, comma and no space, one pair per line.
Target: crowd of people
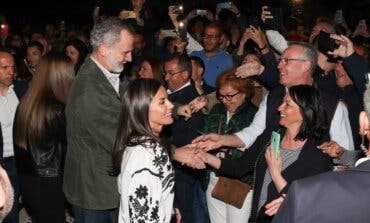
223,117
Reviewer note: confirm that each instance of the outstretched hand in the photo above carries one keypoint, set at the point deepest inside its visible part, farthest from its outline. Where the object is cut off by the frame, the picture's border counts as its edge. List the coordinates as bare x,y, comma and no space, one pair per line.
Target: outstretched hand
249,69
186,155
331,148
208,142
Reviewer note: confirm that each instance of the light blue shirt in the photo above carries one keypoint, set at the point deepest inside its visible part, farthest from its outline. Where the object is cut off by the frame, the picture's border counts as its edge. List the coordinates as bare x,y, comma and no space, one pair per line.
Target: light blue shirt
214,65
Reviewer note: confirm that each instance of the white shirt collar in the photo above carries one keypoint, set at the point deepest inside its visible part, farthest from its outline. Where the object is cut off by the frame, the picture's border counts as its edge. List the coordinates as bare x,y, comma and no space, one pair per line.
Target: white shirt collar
182,87
113,78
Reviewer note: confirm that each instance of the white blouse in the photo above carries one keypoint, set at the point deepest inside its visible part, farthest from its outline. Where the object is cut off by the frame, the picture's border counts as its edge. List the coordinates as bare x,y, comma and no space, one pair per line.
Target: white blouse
146,184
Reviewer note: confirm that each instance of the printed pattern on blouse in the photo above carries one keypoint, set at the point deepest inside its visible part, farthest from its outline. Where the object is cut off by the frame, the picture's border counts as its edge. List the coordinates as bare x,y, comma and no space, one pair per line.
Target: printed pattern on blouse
144,201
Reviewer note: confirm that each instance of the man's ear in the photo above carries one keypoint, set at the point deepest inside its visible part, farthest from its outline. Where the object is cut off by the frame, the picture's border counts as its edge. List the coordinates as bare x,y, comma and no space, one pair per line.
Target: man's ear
364,123
103,50
306,66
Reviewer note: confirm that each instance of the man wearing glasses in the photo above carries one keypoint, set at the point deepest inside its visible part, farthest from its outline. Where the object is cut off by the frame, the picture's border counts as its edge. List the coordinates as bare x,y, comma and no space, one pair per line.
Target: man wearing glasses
215,59
188,193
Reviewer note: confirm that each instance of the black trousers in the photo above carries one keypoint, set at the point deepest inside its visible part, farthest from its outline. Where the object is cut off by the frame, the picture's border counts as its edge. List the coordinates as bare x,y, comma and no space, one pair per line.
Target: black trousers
43,198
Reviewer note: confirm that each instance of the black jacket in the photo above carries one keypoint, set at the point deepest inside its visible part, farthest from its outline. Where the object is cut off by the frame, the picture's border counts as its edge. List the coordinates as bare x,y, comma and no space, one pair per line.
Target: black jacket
48,159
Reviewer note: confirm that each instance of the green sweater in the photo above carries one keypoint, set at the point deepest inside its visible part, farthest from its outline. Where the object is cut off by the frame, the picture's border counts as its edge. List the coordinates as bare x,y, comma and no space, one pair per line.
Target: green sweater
216,123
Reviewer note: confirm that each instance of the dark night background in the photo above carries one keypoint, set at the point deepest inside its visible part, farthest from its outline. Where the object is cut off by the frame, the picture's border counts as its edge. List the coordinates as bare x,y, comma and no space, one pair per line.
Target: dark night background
79,11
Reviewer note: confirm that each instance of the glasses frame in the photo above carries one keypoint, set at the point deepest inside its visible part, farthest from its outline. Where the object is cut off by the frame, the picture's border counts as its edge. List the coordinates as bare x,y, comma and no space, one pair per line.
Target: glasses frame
171,74
227,97
286,60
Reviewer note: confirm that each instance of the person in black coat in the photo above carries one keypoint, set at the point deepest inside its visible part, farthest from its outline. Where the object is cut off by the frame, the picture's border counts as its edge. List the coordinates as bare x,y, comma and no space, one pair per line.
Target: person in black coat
340,196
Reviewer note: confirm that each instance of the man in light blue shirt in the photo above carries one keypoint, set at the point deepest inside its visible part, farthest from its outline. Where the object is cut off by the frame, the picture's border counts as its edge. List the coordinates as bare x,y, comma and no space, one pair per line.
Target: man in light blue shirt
215,59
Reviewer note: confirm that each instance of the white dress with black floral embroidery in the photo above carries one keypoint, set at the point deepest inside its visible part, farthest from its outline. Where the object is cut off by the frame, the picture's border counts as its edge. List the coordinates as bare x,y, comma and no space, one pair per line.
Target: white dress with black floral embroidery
146,185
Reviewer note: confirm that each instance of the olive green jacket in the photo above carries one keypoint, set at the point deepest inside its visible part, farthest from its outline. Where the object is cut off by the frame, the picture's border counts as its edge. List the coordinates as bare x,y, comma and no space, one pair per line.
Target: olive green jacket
92,114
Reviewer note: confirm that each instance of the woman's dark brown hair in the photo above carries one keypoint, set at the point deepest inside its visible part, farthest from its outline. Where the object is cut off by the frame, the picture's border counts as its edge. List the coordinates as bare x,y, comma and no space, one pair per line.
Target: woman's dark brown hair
52,80
134,128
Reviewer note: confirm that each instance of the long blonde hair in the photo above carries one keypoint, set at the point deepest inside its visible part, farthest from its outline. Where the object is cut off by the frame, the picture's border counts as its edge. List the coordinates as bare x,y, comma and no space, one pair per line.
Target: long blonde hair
53,79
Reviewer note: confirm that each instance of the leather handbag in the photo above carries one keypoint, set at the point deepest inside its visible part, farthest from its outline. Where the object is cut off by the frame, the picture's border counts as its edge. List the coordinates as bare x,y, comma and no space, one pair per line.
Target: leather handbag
230,191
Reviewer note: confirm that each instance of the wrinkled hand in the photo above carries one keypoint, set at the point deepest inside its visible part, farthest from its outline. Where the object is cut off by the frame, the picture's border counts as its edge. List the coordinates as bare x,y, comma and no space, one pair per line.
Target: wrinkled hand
345,48
274,164
249,69
186,155
273,206
209,141
332,149
198,103
184,110
265,14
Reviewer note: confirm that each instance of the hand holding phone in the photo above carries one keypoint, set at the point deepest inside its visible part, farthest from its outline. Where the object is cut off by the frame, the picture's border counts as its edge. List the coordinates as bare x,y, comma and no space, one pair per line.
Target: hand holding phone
275,142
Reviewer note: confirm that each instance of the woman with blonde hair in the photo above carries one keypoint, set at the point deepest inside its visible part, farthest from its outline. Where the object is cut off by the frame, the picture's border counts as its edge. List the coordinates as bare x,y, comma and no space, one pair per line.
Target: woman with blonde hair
40,138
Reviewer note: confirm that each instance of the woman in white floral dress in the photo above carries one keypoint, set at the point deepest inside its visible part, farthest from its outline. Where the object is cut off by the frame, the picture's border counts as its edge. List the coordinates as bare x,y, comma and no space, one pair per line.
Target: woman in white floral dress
146,177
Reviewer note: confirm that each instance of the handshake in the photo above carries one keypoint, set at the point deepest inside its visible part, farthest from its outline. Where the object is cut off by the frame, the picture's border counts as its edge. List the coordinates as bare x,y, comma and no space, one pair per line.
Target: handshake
195,155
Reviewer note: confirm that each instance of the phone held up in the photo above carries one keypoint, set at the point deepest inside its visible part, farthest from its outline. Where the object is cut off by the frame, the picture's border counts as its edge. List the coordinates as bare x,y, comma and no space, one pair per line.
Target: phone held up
275,142
182,31
224,5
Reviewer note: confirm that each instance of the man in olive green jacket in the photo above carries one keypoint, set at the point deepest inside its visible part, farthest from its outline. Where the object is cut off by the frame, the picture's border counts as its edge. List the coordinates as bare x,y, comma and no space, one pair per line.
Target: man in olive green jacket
92,114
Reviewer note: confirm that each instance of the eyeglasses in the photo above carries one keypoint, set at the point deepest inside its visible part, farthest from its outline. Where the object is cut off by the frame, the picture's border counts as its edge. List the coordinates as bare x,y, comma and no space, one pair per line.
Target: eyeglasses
286,60
211,37
227,97
172,73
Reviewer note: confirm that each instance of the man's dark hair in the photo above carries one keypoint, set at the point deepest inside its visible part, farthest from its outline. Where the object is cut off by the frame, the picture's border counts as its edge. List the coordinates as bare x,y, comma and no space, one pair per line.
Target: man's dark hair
183,60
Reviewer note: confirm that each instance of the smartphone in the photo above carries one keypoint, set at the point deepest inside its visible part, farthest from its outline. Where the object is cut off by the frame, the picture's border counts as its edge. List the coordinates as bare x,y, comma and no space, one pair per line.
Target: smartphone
130,15
276,22
325,43
168,32
201,12
224,5
179,9
275,142
182,31
338,17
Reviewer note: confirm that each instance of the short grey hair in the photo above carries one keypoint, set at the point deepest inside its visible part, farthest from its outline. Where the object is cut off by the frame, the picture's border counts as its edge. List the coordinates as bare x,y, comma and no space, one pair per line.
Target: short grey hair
309,53
107,30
